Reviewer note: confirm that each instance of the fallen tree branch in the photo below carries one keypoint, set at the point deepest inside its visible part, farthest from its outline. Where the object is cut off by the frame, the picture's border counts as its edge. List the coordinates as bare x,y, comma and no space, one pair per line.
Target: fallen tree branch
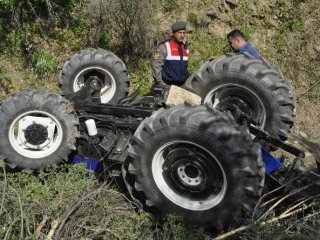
304,218
308,90
282,199
268,194
8,232
76,206
54,225
41,225
101,231
296,205
21,213
4,187
243,228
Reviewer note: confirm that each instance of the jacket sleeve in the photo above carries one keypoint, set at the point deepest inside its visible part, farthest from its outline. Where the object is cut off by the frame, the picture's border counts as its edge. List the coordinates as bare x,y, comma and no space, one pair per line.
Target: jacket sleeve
157,63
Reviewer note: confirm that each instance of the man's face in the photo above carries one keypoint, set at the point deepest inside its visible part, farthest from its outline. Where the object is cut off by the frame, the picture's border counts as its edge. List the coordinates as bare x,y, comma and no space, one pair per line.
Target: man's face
180,35
234,42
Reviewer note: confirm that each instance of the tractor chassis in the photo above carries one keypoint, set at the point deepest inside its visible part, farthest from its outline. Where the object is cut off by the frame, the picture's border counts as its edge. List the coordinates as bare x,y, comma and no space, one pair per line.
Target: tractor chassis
124,119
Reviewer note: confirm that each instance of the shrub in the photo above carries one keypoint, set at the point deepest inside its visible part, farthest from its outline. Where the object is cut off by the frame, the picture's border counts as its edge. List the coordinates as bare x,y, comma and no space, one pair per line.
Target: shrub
5,82
42,62
121,26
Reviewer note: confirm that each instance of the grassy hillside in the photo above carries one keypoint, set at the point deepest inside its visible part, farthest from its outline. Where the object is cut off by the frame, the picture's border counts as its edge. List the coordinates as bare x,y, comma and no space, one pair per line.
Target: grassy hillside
37,37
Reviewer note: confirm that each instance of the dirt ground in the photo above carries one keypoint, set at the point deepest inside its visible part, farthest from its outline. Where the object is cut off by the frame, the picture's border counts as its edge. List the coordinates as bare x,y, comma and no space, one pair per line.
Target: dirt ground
307,121
13,72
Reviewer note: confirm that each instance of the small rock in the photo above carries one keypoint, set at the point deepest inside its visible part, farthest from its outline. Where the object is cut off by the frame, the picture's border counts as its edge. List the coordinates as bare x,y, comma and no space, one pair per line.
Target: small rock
179,95
316,48
303,134
307,154
212,15
232,3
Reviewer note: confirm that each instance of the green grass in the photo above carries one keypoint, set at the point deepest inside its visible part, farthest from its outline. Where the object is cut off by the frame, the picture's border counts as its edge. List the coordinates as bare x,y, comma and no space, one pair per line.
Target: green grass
81,206
6,83
42,62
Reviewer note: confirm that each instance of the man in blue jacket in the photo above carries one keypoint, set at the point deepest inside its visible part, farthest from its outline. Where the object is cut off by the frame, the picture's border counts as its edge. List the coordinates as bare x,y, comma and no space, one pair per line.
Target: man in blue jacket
170,61
237,41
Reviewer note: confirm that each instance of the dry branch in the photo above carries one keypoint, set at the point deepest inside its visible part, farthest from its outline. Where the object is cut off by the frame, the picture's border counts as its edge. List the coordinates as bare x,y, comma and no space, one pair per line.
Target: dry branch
243,228
282,199
4,187
65,217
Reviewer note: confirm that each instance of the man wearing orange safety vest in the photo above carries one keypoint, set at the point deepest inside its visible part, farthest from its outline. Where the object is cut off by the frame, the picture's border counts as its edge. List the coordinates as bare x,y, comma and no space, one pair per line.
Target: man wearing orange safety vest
170,63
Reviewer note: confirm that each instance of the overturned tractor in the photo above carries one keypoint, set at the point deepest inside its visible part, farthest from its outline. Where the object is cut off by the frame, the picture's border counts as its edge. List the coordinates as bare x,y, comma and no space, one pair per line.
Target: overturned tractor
204,162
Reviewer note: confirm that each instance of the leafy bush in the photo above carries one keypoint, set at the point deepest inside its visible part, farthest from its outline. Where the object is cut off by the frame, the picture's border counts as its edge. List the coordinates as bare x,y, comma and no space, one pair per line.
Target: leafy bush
121,26
43,13
5,2
64,203
5,82
31,198
296,25
172,6
141,76
42,62
202,48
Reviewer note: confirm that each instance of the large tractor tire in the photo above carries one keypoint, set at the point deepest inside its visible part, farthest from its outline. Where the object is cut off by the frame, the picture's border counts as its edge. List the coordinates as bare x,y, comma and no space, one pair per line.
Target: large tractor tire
195,162
96,68
253,85
38,129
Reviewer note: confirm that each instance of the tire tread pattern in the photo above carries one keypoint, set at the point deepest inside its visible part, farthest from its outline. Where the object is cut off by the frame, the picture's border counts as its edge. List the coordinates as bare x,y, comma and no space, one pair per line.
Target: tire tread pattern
253,71
247,167
94,57
39,99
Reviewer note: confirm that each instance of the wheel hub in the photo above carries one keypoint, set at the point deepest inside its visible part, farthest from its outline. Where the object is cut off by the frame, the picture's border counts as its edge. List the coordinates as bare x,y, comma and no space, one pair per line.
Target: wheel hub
239,108
95,83
189,171
189,175
99,80
234,103
232,96
36,134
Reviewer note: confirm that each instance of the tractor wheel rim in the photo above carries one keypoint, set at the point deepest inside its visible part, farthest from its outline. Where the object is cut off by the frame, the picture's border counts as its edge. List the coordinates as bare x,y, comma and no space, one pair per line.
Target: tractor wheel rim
189,175
35,134
106,79
252,100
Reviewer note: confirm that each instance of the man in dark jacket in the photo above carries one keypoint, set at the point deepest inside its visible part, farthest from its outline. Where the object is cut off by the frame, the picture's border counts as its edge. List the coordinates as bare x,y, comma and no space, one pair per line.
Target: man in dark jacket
240,45
170,62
